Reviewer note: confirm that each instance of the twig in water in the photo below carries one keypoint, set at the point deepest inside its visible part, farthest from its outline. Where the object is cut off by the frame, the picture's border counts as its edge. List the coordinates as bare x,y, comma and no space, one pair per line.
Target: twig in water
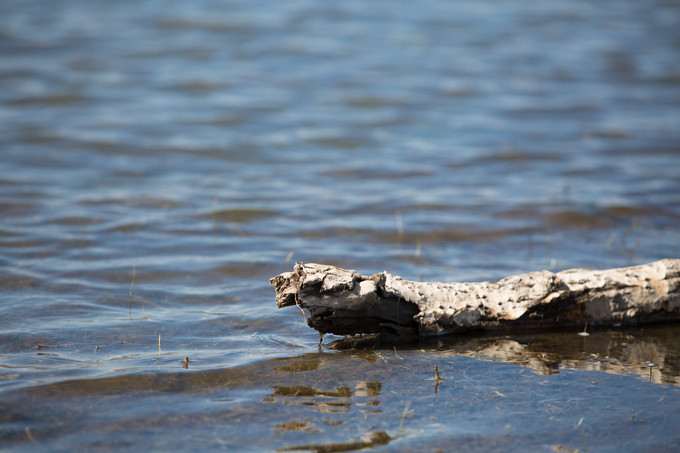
27,430
436,379
131,285
159,345
400,223
405,414
650,365
584,333
297,302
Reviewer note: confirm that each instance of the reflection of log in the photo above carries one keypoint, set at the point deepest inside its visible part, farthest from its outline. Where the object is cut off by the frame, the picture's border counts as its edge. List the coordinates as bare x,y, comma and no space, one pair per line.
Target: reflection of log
344,302
650,353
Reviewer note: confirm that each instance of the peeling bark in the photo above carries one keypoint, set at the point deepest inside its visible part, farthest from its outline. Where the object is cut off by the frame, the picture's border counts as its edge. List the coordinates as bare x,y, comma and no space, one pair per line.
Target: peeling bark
344,302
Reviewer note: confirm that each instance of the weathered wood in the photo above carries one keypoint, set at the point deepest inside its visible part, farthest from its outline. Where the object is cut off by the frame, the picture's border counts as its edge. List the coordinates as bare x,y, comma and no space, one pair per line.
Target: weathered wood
344,302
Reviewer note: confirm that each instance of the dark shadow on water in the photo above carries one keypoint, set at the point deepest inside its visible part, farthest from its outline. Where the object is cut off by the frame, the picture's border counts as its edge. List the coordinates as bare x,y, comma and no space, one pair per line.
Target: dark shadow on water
372,440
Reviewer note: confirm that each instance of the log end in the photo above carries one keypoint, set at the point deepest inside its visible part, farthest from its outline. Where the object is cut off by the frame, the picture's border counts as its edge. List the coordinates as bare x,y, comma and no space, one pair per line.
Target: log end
286,287
343,302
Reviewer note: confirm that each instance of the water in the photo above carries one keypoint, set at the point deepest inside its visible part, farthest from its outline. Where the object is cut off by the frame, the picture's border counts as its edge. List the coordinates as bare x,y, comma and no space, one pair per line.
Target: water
161,160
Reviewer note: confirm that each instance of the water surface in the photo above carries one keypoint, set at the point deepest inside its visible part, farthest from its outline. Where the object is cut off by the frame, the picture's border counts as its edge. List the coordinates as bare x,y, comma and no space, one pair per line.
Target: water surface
160,161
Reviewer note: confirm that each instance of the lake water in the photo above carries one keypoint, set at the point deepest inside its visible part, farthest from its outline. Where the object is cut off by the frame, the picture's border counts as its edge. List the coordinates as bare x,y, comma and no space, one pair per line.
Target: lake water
160,161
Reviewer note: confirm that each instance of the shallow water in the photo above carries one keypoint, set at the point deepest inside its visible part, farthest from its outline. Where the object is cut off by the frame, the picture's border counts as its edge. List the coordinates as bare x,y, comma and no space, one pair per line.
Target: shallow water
160,161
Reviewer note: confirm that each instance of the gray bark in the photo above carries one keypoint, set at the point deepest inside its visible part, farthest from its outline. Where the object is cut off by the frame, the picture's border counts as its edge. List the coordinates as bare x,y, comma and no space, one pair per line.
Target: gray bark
344,302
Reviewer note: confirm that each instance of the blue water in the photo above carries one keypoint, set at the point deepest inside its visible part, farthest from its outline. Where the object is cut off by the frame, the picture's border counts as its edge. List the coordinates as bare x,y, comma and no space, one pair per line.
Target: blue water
160,161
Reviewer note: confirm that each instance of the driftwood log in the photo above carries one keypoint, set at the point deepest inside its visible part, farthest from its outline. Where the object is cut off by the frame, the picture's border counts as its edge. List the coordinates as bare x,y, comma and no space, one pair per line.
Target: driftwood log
344,302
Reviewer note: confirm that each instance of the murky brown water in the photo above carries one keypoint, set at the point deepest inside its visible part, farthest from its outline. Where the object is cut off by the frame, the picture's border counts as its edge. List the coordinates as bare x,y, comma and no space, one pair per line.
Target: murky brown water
160,161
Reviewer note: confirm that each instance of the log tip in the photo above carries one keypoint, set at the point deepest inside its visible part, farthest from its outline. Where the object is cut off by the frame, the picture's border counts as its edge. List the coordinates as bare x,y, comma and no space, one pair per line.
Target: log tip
286,287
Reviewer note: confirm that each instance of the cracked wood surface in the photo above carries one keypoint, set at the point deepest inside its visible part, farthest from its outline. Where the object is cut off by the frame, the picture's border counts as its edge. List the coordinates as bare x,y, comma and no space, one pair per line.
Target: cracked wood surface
344,302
